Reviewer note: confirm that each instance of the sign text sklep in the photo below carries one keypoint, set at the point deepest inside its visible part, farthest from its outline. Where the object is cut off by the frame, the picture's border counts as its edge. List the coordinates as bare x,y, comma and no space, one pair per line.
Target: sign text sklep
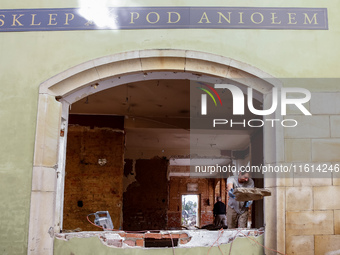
163,18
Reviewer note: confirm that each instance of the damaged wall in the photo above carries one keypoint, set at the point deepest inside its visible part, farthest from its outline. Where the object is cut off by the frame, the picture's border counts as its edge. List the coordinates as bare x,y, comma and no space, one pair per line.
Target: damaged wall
94,173
201,242
145,201
178,187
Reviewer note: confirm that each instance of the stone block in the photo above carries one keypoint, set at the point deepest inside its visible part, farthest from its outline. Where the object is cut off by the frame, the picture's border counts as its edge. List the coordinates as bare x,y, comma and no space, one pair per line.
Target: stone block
248,79
325,103
326,198
273,149
116,58
300,180
41,223
337,222
270,182
293,109
312,182
309,223
44,179
192,65
162,53
275,219
300,245
327,244
325,150
165,63
119,68
281,220
72,83
189,54
286,182
336,179
44,87
247,194
298,150
309,127
279,180
253,71
47,131
335,126
299,198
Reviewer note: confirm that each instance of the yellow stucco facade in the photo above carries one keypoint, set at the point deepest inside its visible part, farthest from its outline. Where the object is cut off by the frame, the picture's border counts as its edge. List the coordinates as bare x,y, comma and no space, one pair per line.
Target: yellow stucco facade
303,214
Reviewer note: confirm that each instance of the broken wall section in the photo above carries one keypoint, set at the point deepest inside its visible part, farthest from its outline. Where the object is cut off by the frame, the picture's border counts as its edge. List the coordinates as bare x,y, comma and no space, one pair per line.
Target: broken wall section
145,201
94,173
189,242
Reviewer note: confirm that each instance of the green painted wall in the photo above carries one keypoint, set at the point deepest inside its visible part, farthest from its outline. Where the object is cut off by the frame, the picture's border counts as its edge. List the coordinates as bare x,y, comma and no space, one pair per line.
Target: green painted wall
29,58
92,245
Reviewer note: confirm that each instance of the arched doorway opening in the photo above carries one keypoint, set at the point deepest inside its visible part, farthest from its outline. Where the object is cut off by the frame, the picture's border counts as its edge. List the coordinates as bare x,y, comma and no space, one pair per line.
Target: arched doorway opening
101,74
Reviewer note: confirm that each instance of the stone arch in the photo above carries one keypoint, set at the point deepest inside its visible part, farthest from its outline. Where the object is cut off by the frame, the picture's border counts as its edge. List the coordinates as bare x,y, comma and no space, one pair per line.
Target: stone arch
106,72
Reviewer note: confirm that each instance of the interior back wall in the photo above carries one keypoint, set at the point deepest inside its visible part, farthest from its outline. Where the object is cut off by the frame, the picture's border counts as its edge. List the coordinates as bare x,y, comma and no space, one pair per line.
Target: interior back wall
178,187
145,201
94,174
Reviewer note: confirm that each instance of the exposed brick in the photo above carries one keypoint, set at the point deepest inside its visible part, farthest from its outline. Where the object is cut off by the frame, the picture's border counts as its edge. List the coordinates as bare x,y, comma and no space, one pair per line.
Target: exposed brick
140,242
174,219
153,235
123,234
183,235
172,236
134,235
178,187
130,242
89,186
146,200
